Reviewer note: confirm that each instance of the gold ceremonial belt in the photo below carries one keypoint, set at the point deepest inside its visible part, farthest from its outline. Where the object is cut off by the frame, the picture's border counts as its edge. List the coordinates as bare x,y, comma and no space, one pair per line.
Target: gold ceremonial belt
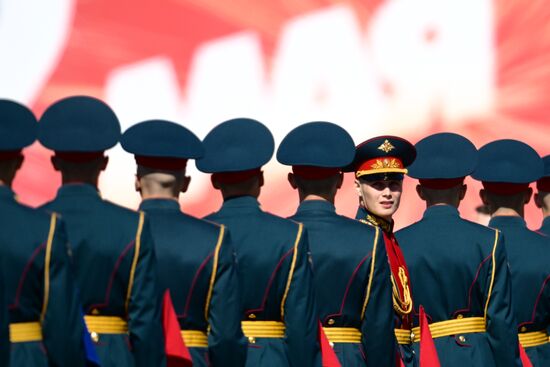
443,328
533,339
106,324
342,334
195,338
263,329
21,332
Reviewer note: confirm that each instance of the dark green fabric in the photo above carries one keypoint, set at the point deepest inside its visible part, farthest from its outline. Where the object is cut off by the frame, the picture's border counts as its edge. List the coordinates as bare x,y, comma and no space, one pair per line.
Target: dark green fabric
185,246
450,263
102,237
342,252
545,228
404,352
529,259
264,244
4,324
23,242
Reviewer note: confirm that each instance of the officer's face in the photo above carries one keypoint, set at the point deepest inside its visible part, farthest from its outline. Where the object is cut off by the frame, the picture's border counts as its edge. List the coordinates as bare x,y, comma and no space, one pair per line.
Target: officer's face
380,197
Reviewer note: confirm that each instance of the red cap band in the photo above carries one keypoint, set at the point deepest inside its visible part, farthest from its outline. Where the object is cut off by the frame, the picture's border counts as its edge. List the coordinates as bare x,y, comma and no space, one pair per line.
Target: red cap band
544,184
78,157
10,154
315,173
162,163
505,188
234,177
441,183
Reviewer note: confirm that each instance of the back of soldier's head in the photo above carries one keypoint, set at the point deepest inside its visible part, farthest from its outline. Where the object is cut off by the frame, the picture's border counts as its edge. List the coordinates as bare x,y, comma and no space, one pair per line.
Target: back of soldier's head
442,163
317,152
18,129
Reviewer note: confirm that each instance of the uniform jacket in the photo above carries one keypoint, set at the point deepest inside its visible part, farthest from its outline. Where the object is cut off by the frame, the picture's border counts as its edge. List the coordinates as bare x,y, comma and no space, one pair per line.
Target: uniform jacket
401,283
352,281
275,281
196,263
545,228
459,270
39,285
115,269
529,260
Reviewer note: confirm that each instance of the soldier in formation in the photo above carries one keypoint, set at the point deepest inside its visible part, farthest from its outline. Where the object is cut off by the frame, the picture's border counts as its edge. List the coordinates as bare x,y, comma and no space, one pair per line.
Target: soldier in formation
85,282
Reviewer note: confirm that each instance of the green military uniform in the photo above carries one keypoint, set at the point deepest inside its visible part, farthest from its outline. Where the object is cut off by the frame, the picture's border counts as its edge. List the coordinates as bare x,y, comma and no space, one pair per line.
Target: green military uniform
506,169
459,268
351,273
275,278
195,257
112,246
44,312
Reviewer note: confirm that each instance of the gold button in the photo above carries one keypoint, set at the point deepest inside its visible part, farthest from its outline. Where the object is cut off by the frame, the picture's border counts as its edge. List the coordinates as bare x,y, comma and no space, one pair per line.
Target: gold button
331,344
331,321
462,339
95,311
94,336
412,336
460,316
251,339
252,316
523,329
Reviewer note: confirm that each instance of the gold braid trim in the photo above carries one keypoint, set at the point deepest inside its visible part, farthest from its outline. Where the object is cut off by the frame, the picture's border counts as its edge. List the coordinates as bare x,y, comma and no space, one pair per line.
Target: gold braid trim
371,275
291,271
137,248
214,271
404,307
47,261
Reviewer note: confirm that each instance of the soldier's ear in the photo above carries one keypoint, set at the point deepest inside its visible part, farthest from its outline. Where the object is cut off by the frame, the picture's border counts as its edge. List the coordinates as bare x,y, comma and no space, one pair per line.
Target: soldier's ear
538,200
55,163
261,179
292,180
358,188
483,197
137,184
19,162
104,162
185,183
463,190
528,195
420,192
340,180
215,183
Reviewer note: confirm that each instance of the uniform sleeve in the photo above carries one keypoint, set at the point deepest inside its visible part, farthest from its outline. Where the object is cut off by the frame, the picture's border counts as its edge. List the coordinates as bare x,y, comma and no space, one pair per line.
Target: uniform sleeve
4,327
377,326
62,325
501,323
144,304
300,314
226,343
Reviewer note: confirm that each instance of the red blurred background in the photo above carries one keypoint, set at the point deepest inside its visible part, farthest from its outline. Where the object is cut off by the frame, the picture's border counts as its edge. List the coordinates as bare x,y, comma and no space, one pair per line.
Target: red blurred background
476,67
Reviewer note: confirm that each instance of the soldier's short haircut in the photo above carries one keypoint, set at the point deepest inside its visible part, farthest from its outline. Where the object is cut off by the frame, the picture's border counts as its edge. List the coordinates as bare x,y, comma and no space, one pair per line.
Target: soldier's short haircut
242,186
157,179
441,195
496,201
80,167
544,199
322,187
8,168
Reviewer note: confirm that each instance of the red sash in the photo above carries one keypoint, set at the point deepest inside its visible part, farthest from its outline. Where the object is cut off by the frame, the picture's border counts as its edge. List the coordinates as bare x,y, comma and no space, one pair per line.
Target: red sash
327,353
177,354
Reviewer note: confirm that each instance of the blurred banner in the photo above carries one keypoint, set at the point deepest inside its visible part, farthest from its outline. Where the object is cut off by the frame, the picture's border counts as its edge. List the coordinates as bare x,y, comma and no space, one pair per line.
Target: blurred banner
409,68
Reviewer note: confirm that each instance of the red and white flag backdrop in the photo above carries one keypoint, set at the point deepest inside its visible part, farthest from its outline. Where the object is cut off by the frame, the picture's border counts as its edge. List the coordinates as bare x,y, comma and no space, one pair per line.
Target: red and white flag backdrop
410,68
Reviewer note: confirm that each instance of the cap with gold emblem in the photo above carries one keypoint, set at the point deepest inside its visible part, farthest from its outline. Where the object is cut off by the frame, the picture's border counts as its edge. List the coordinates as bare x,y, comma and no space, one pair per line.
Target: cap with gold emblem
382,158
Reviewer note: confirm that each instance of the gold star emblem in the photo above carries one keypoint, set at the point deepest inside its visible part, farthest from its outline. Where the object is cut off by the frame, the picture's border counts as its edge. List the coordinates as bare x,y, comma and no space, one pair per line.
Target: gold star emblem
386,146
